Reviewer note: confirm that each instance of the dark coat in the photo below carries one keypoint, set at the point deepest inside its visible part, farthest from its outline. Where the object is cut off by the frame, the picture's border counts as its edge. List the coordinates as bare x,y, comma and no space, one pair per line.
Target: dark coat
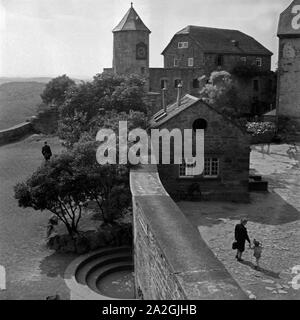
46,151
241,235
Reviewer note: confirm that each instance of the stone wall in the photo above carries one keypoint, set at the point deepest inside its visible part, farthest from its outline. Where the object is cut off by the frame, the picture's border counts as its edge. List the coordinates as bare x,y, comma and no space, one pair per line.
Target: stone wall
186,75
124,53
45,122
171,259
15,133
222,140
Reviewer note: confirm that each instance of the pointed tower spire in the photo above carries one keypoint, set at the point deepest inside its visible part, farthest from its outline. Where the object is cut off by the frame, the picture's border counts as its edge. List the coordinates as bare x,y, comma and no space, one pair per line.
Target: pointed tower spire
131,22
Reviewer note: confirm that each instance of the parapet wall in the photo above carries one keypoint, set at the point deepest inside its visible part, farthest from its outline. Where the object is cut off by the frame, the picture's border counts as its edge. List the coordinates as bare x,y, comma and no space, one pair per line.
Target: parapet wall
171,259
14,133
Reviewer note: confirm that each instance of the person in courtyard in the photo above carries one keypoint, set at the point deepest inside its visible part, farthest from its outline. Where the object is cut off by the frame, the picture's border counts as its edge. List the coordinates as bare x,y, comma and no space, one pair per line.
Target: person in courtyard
241,235
257,248
46,151
292,151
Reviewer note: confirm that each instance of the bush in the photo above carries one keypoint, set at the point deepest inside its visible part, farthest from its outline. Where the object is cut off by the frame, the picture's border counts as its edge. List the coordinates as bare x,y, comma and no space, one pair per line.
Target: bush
261,132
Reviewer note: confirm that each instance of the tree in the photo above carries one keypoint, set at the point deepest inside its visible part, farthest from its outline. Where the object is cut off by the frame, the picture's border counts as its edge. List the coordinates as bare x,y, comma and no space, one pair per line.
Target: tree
56,90
107,185
54,187
72,128
105,92
69,181
222,93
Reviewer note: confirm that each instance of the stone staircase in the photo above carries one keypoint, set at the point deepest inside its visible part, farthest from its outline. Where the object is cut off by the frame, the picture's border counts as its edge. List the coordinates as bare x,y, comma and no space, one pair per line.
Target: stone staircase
85,273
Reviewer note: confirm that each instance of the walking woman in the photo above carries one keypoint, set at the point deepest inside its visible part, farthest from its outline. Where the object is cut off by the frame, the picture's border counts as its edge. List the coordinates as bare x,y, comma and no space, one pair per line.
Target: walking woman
241,235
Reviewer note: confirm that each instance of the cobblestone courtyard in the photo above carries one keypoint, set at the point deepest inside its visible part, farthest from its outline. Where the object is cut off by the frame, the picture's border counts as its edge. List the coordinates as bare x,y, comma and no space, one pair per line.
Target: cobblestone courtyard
32,270
274,219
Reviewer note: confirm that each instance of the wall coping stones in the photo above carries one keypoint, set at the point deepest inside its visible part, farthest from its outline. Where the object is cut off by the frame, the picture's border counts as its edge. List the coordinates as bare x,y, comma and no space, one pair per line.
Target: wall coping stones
199,273
15,133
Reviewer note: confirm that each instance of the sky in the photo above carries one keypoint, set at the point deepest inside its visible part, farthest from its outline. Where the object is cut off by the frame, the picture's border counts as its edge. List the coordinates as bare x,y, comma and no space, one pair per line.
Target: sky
74,37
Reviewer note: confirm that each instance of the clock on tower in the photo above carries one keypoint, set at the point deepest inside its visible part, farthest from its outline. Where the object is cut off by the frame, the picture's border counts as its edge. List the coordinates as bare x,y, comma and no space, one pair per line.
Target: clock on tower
141,51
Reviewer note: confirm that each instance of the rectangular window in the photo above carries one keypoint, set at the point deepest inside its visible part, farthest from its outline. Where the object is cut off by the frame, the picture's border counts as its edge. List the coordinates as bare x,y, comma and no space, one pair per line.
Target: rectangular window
255,85
211,167
183,45
190,62
220,60
196,83
188,168
176,62
244,59
259,62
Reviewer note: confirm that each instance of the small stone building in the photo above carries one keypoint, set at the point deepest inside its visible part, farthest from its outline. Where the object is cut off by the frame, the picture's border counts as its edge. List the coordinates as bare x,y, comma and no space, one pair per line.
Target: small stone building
226,153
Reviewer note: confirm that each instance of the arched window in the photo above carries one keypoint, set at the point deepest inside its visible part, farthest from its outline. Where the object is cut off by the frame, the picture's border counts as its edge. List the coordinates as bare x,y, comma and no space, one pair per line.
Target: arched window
199,124
163,83
177,82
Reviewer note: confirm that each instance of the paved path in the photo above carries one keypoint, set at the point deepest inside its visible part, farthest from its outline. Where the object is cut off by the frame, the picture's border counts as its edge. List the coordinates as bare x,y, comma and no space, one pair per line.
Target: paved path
274,219
32,271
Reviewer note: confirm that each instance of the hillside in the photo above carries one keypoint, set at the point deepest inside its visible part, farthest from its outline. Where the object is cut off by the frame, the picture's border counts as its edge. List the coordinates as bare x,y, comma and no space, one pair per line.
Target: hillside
18,101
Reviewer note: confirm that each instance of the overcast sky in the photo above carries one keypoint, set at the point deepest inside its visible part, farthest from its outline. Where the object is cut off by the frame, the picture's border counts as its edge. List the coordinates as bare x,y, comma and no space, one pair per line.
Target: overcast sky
53,37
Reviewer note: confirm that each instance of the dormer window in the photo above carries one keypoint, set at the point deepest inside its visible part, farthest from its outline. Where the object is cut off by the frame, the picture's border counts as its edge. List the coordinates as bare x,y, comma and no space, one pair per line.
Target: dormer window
183,45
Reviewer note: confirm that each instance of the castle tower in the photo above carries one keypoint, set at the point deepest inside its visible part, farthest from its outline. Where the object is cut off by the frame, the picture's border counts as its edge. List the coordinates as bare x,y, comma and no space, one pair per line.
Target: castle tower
288,91
131,45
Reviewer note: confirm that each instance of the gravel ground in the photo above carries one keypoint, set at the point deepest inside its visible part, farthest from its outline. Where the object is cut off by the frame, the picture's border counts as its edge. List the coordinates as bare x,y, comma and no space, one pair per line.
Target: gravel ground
274,219
32,271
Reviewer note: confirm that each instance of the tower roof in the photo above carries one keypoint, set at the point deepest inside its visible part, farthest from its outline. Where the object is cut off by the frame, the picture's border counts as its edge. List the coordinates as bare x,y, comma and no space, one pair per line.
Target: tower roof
289,22
131,22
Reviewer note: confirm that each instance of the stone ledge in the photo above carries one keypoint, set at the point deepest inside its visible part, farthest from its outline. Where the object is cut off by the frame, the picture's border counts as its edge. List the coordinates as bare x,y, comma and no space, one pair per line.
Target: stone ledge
196,269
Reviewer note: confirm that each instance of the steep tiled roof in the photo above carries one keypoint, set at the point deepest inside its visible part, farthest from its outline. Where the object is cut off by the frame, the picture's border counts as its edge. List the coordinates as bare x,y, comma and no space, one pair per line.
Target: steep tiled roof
215,40
172,110
186,102
131,22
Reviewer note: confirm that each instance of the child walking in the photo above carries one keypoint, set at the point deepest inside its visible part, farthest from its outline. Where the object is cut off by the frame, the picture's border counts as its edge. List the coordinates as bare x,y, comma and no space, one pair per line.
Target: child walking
257,248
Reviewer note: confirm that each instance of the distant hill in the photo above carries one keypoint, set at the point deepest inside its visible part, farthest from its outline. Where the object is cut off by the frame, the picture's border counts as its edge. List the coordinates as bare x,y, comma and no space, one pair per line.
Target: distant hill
37,79
19,101
20,79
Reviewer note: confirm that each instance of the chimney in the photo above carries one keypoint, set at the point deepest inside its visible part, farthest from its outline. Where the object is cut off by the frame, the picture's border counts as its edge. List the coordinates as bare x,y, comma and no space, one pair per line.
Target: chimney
163,96
179,92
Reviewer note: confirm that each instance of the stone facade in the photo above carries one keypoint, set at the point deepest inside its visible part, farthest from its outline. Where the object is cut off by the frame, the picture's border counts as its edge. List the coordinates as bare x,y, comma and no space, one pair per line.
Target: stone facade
207,57
223,140
125,51
171,259
288,96
211,50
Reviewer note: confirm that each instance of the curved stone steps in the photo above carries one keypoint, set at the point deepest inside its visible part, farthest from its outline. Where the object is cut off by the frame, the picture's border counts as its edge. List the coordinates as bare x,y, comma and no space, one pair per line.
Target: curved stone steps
84,273
94,277
86,268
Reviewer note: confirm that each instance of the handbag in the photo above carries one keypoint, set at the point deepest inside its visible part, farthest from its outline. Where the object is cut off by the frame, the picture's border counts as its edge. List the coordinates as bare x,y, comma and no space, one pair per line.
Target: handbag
234,245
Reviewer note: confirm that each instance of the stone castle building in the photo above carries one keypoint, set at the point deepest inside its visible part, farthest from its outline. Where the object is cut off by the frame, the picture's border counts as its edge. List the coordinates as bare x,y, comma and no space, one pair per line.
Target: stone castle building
288,93
190,57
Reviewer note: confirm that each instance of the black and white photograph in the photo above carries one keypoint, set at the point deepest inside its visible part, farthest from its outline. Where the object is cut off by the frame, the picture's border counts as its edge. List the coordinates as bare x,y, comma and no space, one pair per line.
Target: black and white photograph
149,150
